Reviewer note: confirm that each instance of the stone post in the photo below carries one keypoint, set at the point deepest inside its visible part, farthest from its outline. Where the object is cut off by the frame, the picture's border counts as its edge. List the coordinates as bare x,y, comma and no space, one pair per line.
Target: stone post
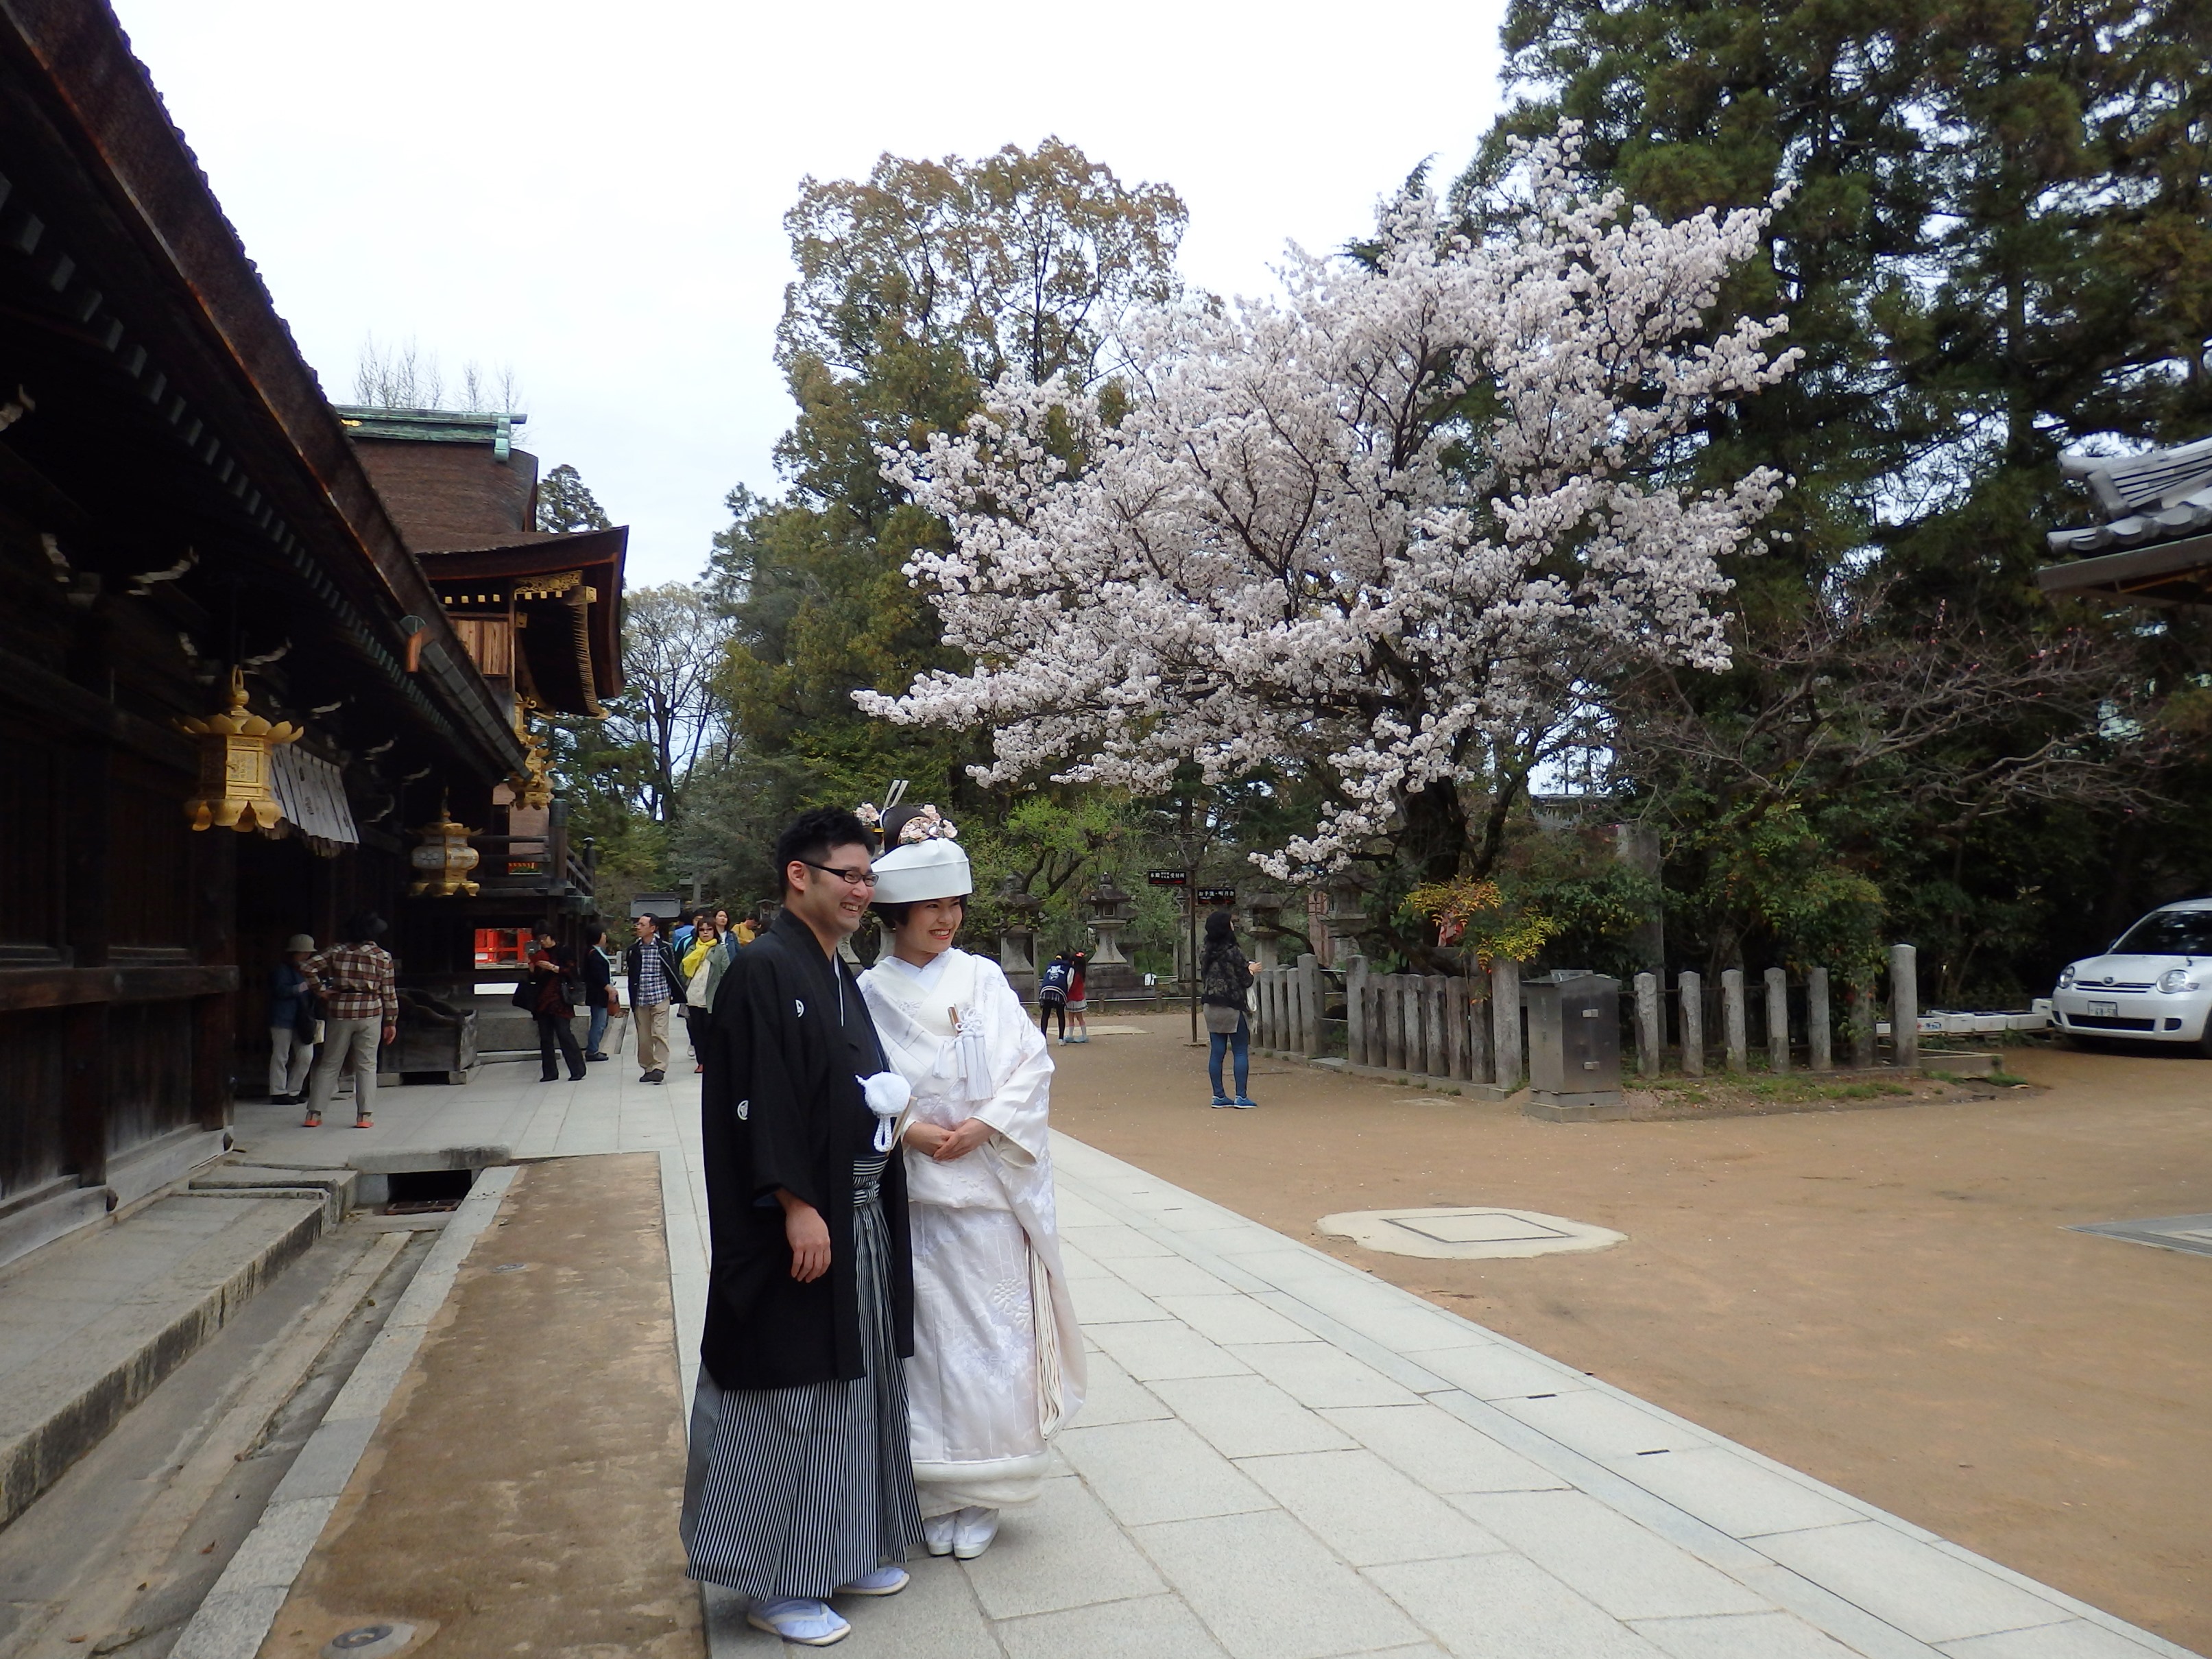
1474,1009
1310,1004
1777,1020
1691,987
1817,1052
1904,1005
1732,1019
1505,1021
1647,1025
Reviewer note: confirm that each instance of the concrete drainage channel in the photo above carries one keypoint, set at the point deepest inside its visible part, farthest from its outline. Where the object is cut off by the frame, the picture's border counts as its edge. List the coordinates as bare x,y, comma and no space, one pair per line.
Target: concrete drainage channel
235,1618
149,1532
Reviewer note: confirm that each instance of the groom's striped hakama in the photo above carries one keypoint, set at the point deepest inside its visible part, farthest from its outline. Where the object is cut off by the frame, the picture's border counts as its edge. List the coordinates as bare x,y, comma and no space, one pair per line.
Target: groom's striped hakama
798,1492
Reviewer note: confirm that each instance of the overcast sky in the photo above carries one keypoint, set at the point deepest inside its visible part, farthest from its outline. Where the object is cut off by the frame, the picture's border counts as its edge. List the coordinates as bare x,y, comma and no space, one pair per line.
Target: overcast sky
593,195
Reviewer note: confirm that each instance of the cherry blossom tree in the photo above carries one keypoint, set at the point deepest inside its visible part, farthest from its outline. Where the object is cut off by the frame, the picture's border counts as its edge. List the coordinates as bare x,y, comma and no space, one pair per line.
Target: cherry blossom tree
1366,534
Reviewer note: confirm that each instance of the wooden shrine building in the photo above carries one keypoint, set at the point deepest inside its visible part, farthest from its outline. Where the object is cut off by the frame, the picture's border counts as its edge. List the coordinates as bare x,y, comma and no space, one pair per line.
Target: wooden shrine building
210,616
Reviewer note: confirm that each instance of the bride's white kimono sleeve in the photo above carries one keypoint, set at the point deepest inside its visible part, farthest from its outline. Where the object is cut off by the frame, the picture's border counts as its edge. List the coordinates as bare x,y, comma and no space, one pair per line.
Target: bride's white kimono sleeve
998,1366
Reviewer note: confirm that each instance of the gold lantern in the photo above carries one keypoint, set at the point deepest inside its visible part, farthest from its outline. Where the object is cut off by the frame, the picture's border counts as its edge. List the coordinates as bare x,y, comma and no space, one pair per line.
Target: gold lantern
235,788
444,858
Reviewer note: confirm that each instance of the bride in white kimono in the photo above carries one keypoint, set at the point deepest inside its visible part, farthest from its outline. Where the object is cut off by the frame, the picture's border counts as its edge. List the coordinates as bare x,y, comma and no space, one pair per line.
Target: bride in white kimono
998,1361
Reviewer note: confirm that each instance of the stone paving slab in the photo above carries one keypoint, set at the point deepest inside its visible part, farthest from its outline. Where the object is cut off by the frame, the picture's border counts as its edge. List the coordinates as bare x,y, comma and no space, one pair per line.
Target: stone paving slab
91,1325
1285,1455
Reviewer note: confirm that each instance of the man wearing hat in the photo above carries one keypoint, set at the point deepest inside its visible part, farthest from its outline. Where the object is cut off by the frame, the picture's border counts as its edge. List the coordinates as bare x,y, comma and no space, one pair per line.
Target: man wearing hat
293,1016
800,1485
998,1356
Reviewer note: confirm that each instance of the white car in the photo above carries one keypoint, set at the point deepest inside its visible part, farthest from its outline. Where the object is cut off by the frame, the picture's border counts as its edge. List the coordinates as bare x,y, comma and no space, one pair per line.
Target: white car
2155,985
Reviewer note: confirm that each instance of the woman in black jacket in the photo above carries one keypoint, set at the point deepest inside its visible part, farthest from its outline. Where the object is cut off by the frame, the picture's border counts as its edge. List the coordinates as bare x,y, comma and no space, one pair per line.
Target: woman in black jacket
1224,984
550,971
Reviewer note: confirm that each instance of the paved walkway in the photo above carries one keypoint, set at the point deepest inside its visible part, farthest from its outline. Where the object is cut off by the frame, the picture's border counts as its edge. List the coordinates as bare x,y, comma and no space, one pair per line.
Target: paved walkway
1286,1458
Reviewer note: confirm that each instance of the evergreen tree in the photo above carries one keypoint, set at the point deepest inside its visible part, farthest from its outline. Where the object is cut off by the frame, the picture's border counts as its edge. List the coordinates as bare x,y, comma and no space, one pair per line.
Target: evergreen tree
564,504
1995,248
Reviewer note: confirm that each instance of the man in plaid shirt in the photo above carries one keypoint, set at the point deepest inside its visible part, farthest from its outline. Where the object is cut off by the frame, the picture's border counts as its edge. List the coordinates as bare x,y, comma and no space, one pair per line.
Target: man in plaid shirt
360,1008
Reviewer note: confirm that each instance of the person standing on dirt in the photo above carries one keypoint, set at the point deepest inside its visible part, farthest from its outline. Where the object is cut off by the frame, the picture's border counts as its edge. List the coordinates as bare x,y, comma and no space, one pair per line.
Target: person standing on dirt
361,1009
656,981
1052,994
294,1013
1078,1001
1224,987
800,1482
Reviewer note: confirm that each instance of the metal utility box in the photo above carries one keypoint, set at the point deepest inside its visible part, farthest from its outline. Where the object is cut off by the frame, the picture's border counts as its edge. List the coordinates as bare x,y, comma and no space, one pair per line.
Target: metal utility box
1574,1046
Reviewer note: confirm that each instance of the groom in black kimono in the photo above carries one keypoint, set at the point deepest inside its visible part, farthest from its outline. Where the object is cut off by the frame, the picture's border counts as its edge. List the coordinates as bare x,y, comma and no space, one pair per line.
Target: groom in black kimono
801,1483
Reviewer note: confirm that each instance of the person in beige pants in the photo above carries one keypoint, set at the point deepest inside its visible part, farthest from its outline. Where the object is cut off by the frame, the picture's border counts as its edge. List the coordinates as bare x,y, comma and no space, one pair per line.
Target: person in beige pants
656,980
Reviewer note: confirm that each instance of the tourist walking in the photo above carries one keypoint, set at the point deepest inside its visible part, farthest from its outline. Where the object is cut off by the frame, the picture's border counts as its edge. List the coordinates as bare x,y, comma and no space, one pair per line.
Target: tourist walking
702,969
997,1362
295,1012
1224,987
656,980
551,975
800,1484
1052,994
598,992
1075,1025
361,1009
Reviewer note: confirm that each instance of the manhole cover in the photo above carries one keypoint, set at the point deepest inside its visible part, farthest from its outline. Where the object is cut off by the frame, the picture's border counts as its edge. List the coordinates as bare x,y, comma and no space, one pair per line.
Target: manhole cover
2191,1233
1466,1233
369,1641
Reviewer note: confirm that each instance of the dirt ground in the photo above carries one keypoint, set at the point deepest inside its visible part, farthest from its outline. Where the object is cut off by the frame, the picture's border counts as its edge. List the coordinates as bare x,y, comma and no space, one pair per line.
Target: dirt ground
1886,1297
521,1494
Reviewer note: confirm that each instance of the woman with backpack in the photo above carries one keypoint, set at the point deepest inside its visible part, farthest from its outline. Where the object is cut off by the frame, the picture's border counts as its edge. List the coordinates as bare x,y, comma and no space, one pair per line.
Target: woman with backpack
1225,985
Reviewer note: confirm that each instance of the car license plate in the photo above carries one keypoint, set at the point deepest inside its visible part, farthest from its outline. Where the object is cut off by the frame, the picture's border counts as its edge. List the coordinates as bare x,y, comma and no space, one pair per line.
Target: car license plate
2106,1009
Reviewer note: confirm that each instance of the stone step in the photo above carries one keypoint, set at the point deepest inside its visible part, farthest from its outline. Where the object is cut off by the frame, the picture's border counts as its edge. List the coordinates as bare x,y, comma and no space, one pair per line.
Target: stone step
89,1326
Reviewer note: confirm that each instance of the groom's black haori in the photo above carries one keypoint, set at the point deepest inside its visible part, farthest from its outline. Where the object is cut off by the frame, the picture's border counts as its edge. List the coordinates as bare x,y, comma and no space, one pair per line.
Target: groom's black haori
801,1478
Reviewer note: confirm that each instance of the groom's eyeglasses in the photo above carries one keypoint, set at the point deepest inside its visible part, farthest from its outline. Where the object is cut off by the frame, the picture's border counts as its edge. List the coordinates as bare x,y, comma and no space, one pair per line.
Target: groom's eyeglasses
862,877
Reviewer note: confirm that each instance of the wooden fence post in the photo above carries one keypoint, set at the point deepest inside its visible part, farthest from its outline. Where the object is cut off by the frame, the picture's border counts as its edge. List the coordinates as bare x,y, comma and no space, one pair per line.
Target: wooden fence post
1859,1000
1647,1025
1904,1005
1777,1020
1732,1019
1818,1055
1691,988
1355,1010
1505,1021
1475,1010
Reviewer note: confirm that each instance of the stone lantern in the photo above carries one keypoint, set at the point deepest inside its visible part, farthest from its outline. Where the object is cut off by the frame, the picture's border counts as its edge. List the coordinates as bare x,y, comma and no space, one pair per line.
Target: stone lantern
1267,911
1110,974
443,858
1018,936
1109,914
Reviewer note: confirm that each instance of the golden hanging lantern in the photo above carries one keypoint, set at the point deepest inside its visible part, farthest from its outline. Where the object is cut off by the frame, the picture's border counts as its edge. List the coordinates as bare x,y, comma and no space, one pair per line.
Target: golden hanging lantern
444,858
235,788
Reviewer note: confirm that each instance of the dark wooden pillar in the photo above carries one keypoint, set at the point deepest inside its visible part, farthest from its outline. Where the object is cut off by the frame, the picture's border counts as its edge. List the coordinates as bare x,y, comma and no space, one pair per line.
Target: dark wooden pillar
87,1079
213,865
